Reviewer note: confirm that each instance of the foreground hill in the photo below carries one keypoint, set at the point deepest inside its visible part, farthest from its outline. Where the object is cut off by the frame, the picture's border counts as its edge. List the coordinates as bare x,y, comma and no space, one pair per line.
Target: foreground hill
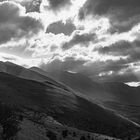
64,106
27,124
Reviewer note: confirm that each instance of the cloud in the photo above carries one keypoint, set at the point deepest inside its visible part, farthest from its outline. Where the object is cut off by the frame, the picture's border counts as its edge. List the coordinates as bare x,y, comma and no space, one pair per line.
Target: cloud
69,64
103,42
47,45
112,71
109,70
16,49
133,84
98,71
59,10
58,4
15,24
97,68
79,39
123,15
123,48
30,5
60,27
125,70
126,77
118,48
19,61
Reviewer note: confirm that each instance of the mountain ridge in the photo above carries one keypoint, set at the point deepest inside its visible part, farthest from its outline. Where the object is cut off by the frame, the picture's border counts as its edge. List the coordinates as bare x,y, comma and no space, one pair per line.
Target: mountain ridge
62,104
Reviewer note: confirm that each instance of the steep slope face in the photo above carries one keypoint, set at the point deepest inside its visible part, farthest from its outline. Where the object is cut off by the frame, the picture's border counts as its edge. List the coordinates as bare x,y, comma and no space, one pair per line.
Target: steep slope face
32,93
27,124
52,131
129,111
38,70
79,83
119,97
109,91
124,93
128,103
22,72
117,92
64,106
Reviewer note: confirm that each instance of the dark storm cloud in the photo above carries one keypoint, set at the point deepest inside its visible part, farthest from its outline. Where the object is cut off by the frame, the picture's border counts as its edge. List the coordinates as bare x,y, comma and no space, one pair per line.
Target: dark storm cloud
123,48
30,5
13,25
60,27
127,76
114,66
118,48
110,71
95,68
82,39
123,14
58,4
127,67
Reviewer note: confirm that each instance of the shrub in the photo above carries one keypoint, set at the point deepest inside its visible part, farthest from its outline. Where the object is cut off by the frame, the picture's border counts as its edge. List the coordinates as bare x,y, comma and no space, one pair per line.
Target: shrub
65,133
82,138
51,135
74,134
9,122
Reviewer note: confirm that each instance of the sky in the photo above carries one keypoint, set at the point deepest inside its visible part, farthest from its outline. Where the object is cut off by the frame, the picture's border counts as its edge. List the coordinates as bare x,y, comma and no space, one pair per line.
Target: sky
98,38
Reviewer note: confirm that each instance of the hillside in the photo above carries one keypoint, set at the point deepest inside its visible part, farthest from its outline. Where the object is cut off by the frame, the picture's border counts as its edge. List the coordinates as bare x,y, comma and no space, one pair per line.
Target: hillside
29,74
104,92
64,106
23,123
116,96
22,72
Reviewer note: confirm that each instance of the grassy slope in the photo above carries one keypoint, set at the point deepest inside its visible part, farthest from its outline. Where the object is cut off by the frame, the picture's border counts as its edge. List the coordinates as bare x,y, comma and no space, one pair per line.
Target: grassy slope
64,106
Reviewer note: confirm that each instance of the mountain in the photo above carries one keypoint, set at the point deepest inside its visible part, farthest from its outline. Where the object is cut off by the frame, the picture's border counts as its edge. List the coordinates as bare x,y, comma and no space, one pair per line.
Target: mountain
103,92
24,123
90,90
29,74
22,72
64,106
79,83
123,93
116,96
38,70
